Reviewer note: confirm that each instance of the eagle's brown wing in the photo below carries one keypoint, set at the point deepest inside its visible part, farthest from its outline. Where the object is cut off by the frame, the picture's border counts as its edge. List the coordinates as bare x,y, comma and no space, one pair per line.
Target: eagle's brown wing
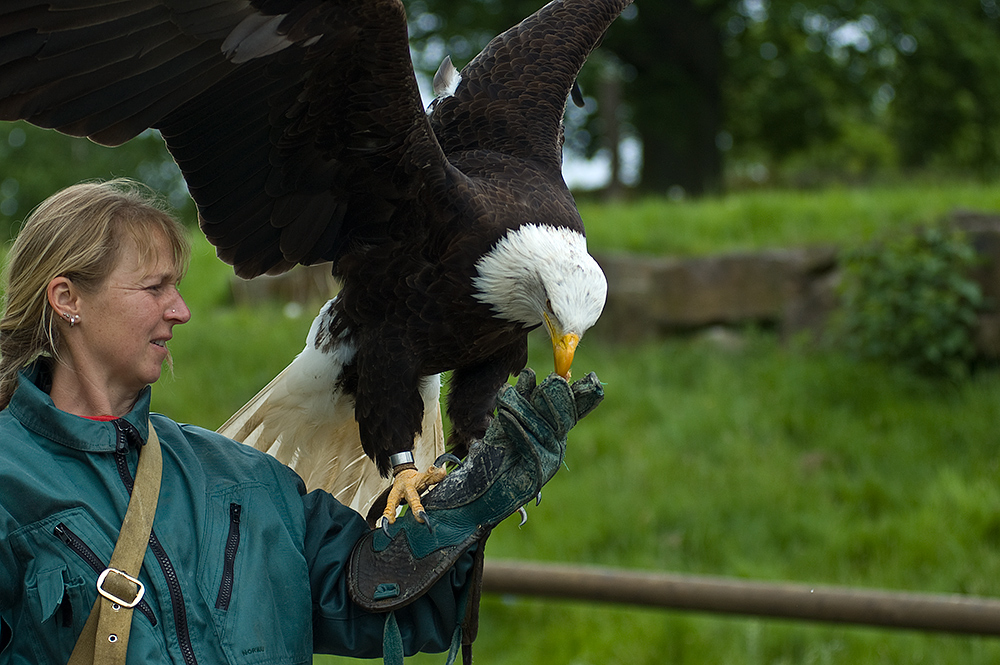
297,125
512,96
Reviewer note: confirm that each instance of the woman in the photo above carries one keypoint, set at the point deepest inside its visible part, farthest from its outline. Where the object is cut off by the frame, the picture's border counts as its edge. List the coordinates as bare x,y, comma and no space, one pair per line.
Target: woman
243,565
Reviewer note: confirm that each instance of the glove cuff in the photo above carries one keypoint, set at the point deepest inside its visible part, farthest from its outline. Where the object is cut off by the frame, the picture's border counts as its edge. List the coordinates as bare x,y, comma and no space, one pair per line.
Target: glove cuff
391,578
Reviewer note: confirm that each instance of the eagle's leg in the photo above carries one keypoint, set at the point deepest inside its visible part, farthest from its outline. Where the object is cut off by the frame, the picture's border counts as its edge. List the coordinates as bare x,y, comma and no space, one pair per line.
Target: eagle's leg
389,409
433,475
472,396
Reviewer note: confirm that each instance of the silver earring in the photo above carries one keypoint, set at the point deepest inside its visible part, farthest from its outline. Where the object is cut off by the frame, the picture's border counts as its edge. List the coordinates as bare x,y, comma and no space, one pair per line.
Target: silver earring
72,319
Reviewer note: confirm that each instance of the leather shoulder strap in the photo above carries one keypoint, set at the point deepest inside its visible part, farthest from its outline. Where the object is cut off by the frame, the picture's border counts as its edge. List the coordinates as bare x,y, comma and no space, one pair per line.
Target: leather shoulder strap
104,638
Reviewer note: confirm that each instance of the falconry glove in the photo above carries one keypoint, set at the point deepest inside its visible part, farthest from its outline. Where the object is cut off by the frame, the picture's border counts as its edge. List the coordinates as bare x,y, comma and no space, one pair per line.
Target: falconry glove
523,448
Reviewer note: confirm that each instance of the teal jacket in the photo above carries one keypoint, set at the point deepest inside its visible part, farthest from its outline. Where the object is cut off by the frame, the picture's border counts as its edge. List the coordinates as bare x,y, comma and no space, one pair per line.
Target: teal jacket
244,566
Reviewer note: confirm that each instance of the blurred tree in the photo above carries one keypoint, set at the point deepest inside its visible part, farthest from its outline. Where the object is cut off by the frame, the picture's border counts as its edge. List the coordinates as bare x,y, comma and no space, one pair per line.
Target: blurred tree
800,91
855,87
35,162
946,84
812,87
675,65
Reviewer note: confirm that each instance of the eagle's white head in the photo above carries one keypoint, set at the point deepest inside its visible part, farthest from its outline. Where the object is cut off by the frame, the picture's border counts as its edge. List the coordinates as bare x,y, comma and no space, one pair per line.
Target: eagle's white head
544,274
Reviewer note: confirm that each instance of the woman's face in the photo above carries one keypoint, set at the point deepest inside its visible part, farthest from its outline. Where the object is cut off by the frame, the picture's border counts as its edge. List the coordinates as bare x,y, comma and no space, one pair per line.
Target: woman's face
125,325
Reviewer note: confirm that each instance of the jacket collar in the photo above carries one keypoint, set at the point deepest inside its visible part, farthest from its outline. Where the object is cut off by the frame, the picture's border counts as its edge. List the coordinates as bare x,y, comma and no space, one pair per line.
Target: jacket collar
33,408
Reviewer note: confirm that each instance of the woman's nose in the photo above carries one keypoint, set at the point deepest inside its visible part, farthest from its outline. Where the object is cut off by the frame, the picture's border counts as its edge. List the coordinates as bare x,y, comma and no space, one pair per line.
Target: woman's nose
179,312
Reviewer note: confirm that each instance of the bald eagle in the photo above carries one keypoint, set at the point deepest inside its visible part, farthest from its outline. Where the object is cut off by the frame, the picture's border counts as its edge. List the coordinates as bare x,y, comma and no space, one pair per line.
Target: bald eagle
300,131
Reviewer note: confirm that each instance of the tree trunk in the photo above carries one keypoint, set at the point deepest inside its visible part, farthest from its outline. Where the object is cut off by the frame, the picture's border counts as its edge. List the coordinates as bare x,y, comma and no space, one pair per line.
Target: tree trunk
682,151
676,99
609,107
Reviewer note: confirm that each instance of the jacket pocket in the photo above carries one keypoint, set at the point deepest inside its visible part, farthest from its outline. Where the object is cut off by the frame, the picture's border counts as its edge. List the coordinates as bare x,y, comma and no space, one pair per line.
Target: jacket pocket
79,547
229,558
50,592
57,604
252,574
59,584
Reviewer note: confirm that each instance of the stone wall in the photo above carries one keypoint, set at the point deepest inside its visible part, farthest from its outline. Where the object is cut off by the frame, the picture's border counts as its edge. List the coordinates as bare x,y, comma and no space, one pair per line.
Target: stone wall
654,296
793,291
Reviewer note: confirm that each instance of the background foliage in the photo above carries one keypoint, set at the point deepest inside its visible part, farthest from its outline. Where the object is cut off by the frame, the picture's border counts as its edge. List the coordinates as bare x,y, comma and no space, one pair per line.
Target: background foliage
35,162
724,92
910,299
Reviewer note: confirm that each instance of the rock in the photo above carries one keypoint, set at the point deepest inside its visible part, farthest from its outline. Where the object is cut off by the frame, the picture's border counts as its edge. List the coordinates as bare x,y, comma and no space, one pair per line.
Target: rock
302,284
649,296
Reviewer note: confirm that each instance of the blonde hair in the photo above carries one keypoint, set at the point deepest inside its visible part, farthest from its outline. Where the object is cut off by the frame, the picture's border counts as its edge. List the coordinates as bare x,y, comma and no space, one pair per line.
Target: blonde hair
78,233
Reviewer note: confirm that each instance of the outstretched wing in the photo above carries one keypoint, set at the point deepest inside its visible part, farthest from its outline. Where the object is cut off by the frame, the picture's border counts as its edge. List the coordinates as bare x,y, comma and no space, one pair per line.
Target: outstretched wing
297,125
512,96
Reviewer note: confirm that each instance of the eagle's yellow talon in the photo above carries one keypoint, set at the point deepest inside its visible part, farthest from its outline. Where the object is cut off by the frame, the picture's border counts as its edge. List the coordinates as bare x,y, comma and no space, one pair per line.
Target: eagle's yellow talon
407,487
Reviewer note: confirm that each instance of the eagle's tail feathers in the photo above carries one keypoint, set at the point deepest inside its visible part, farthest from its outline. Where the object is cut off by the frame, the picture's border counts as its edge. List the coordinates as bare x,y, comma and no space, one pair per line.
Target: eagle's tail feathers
245,424
303,421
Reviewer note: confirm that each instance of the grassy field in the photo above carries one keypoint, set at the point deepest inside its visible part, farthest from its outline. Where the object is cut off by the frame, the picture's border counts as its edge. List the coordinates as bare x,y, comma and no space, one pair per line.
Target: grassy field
776,218
758,462
755,461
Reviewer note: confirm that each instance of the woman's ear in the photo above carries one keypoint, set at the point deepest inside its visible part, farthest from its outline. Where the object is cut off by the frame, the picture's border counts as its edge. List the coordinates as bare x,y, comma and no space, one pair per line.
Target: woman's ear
63,297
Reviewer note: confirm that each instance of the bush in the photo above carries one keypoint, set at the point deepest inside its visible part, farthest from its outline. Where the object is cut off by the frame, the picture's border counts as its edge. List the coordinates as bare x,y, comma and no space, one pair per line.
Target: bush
910,299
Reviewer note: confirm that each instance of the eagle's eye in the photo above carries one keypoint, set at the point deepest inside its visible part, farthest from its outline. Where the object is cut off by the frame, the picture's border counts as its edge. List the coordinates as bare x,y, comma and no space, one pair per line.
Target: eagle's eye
548,306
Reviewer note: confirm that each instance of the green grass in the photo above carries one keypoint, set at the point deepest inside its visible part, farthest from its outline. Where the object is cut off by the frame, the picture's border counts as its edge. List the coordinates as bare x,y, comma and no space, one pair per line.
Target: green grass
776,218
759,462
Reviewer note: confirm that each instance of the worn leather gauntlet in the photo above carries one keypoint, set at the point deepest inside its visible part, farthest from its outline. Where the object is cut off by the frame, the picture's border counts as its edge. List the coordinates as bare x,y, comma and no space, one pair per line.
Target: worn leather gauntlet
523,448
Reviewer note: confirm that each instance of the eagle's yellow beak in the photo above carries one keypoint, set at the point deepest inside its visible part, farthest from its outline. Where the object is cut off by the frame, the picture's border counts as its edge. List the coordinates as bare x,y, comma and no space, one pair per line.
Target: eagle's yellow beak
563,346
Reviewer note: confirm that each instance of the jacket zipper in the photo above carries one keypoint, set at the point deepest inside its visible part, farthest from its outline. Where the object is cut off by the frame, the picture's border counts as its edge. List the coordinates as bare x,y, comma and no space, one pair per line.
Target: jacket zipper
229,562
76,544
169,573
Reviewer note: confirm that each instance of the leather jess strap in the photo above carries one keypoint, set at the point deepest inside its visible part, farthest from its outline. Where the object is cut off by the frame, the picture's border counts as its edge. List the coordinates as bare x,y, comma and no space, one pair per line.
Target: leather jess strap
104,638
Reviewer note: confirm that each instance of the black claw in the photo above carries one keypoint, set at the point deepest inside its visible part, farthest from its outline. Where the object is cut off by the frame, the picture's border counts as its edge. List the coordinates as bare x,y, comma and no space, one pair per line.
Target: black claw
447,457
385,526
524,516
426,519
538,497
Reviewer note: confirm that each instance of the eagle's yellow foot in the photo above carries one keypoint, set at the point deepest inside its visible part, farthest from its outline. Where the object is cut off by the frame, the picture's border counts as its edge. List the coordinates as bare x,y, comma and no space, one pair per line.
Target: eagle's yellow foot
407,486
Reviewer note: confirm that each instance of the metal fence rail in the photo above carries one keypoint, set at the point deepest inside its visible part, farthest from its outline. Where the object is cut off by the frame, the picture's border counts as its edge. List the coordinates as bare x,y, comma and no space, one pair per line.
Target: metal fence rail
953,613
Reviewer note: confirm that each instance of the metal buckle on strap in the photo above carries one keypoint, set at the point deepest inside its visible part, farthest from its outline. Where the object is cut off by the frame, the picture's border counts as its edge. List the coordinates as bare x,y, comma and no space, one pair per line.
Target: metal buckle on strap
112,597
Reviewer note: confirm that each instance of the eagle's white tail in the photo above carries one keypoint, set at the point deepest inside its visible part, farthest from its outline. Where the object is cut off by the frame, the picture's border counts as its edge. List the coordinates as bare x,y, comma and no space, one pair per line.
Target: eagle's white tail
304,420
